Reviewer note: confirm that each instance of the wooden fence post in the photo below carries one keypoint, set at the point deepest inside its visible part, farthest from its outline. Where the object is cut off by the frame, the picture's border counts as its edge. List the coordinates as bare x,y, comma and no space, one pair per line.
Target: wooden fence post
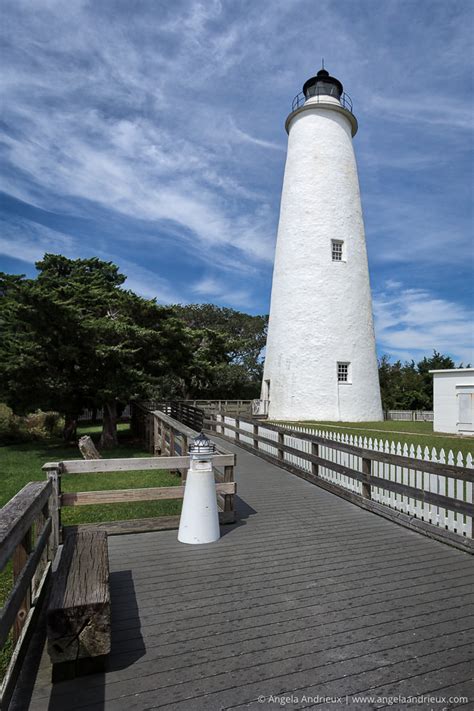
366,471
228,498
156,434
315,452
163,439
53,473
237,433
255,435
281,442
151,432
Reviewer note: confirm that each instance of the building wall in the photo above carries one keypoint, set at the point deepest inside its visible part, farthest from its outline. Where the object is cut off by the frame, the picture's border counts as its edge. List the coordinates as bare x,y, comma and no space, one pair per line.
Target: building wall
448,386
321,310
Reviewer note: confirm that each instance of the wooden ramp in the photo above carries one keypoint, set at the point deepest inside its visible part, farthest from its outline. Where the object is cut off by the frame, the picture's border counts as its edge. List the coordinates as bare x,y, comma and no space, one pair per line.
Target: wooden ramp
307,597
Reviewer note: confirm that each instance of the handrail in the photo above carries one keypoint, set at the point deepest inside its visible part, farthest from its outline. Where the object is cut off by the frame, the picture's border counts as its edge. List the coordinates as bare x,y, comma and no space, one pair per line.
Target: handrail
166,436
416,464
27,525
86,466
18,515
300,99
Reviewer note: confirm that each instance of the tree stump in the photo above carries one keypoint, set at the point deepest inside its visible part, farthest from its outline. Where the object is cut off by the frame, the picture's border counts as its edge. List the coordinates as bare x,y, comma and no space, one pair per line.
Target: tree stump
88,448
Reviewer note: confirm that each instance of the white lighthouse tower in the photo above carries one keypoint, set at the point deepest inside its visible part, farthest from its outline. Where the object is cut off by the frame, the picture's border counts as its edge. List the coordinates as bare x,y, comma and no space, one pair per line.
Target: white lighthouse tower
320,359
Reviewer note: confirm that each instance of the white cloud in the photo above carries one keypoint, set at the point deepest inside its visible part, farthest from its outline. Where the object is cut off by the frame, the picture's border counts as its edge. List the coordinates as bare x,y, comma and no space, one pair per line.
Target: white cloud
247,138
27,242
410,323
211,288
432,110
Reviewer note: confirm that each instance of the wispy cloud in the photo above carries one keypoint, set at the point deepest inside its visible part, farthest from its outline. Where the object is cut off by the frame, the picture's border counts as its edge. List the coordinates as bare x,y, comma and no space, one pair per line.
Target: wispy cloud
413,322
439,109
210,288
161,126
247,138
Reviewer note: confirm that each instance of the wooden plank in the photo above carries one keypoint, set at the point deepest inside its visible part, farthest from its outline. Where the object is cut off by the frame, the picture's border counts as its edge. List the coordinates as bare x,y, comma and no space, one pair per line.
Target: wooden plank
140,525
18,514
113,496
78,619
81,466
366,481
228,504
426,496
23,603
21,590
54,476
175,425
315,454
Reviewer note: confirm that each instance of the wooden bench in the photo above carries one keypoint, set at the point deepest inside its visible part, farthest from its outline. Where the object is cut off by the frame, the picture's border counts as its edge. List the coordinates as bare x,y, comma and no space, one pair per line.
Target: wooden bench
78,619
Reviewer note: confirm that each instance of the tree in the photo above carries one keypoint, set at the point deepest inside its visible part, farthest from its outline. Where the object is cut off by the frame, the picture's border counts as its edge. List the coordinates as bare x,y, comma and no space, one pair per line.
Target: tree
74,338
409,386
435,362
243,336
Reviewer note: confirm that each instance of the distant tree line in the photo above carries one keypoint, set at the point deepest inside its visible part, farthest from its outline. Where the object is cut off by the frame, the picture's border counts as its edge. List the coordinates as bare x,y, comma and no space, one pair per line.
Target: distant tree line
409,385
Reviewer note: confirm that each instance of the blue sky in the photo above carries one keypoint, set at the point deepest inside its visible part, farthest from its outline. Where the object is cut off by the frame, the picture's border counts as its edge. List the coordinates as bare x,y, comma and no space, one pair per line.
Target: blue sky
152,134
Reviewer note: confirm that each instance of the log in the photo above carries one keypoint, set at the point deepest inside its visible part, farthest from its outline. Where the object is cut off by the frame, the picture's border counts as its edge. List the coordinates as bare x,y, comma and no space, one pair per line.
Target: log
88,448
78,618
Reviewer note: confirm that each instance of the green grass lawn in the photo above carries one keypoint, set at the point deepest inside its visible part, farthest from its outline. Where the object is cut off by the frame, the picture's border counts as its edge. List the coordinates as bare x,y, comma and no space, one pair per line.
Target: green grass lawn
21,463
416,433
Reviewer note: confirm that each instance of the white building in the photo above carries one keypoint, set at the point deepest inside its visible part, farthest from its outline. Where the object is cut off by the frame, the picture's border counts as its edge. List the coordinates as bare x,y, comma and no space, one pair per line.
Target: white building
453,400
320,358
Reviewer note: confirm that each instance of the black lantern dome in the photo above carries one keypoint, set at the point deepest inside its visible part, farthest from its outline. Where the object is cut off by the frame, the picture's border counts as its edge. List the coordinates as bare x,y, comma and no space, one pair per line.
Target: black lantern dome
201,445
324,84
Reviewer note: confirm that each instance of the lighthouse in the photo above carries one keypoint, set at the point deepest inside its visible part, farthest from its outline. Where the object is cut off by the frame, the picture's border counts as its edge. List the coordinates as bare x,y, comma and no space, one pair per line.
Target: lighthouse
320,359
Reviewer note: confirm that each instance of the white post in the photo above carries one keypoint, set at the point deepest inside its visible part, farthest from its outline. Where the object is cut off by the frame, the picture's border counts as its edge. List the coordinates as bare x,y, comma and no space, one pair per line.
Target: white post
199,521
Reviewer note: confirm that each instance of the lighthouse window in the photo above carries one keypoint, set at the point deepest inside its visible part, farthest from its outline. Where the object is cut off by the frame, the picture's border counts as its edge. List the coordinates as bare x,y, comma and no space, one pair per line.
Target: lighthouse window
336,246
343,372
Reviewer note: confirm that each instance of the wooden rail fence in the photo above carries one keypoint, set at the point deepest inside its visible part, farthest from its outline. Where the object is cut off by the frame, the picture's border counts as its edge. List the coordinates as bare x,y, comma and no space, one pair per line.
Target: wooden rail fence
433,498
168,440
28,541
165,436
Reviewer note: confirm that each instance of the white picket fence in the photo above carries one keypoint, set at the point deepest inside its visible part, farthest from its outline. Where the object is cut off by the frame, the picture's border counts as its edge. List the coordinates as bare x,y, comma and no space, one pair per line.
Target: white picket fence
434,483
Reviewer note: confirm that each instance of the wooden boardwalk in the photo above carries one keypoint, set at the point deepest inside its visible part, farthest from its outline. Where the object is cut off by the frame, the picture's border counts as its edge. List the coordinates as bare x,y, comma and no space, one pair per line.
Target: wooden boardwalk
307,597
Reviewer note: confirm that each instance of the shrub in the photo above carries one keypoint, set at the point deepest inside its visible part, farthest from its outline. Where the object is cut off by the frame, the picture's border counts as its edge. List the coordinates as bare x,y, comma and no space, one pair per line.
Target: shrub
9,425
35,426
44,424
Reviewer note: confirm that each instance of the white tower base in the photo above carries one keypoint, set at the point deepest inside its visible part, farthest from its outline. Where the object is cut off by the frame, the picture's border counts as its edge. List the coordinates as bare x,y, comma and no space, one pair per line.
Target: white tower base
199,522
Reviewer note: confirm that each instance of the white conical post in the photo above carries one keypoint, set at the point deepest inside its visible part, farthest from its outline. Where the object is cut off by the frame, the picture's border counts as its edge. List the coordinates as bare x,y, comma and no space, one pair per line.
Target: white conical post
199,521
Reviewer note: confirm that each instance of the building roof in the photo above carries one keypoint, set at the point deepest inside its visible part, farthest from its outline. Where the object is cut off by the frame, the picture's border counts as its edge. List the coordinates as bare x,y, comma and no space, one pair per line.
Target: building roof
453,370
